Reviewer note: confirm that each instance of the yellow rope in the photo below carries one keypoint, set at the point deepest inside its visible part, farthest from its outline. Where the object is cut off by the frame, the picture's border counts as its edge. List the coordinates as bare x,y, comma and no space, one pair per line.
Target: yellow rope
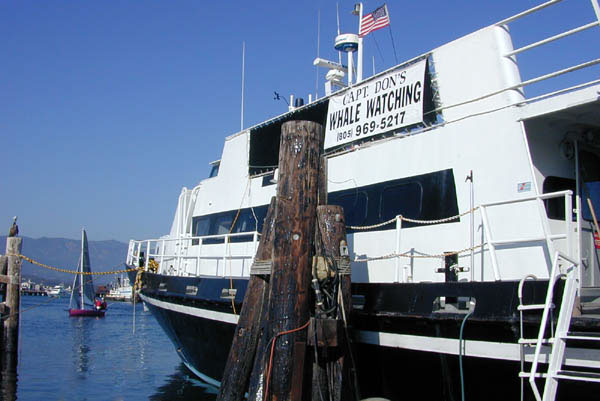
152,266
231,278
34,262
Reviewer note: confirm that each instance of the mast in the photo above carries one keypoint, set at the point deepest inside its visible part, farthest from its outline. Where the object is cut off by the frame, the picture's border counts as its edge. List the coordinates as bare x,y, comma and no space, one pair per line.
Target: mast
81,269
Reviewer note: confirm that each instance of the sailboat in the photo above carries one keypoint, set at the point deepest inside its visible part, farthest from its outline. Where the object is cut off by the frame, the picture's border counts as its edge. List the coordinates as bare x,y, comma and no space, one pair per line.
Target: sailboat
83,295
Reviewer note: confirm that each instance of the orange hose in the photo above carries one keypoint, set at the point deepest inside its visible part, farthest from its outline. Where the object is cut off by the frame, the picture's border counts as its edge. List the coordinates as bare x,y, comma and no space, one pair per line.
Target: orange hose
274,340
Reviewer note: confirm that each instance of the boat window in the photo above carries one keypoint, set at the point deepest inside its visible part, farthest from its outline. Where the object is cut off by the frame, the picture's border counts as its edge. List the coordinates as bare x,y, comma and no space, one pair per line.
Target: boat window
268,179
405,199
555,207
221,224
214,170
355,207
200,227
248,221
430,196
244,223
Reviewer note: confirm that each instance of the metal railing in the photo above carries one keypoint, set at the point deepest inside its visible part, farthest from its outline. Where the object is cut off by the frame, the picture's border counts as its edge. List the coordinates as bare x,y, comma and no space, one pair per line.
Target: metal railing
492,243
547,236
186,249
571,275
551,39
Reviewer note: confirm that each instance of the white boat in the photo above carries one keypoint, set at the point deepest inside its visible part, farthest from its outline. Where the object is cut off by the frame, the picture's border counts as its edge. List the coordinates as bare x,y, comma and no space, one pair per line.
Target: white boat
57,291
470,222
121,290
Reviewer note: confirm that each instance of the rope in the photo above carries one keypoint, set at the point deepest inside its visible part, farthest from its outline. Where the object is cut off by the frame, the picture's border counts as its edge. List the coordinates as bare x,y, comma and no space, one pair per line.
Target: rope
438,221
230,231
34,262
273,341
20,312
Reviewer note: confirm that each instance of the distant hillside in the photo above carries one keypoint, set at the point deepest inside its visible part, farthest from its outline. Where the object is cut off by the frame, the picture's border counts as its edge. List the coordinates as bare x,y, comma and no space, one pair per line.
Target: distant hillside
64,253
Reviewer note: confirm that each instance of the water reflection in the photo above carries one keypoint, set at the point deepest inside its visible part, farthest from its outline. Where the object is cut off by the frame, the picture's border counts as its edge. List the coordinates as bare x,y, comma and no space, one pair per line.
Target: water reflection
8,366
183,385
8,383
81,336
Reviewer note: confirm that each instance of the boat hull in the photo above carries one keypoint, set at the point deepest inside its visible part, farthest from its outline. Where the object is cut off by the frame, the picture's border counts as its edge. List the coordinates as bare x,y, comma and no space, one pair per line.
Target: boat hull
395,350
86,313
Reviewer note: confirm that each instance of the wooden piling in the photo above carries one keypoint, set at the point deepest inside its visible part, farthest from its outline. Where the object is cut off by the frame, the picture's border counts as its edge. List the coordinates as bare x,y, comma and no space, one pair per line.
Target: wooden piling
289,309
275,331
3,277
279,369
247,334
10,320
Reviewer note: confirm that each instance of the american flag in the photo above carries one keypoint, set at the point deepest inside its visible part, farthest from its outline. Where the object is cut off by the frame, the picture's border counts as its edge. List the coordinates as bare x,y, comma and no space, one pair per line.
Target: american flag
376,20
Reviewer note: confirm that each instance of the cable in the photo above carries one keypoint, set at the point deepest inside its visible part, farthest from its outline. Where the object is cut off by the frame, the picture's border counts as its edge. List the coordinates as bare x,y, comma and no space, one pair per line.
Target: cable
460,364
273,341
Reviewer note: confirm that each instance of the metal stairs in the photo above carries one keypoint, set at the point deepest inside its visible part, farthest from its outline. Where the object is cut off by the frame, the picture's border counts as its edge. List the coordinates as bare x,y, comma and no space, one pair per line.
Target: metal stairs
559,337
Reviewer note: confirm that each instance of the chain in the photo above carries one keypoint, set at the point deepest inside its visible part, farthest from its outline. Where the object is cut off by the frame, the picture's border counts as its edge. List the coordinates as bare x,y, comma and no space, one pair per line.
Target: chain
411,256
385,223
34,262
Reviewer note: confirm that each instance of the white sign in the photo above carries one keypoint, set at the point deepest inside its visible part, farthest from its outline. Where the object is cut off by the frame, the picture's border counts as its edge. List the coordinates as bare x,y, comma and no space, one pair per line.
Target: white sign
384,104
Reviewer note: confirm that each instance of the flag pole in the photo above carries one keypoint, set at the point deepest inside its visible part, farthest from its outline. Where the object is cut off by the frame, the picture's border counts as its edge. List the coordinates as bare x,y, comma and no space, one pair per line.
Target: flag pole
391,36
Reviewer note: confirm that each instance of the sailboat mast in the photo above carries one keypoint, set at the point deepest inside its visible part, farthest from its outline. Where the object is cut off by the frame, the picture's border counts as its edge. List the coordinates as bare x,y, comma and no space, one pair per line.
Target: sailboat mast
81,269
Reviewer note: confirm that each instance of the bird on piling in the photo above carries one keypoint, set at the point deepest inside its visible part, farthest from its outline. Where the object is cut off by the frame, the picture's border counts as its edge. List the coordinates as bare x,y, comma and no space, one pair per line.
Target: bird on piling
14,229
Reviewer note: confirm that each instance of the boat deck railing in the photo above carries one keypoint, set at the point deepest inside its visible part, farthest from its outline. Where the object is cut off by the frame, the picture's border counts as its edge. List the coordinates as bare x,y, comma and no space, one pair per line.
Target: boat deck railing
229,254
532,234
595,11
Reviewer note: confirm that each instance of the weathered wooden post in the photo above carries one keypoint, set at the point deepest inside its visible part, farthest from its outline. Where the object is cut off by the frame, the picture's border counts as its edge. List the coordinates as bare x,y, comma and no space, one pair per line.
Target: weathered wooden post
279,369
10,320
247,334
328,331
3,281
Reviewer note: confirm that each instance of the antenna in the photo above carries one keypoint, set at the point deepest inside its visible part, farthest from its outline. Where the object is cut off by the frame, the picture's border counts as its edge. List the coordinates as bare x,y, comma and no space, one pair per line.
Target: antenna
358,11
373,65
337,13
243,77
318,52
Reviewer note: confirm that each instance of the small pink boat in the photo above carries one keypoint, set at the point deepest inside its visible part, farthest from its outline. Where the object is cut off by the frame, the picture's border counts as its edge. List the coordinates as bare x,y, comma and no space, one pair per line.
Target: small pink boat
86,312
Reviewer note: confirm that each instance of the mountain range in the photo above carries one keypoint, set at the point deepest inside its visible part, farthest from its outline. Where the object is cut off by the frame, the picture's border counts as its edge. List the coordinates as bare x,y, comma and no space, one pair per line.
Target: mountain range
64,253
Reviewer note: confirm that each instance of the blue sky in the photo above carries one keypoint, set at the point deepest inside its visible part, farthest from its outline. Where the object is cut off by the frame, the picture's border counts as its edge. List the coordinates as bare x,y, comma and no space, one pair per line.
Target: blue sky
108,108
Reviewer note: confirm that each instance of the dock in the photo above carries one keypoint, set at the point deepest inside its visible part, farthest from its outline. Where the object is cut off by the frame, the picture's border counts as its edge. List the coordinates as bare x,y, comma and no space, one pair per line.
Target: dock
36,293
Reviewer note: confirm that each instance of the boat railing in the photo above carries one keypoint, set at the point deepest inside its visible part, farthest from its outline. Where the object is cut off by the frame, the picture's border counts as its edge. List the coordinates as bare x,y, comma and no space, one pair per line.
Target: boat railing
493,241
511,54
570,273
183,255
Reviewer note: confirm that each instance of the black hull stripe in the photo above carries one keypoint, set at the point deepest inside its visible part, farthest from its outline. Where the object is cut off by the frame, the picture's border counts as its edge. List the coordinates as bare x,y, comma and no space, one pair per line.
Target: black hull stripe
472,348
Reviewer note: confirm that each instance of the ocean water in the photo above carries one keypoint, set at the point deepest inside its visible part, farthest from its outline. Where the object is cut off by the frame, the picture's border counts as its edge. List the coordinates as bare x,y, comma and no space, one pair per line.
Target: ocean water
66,358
